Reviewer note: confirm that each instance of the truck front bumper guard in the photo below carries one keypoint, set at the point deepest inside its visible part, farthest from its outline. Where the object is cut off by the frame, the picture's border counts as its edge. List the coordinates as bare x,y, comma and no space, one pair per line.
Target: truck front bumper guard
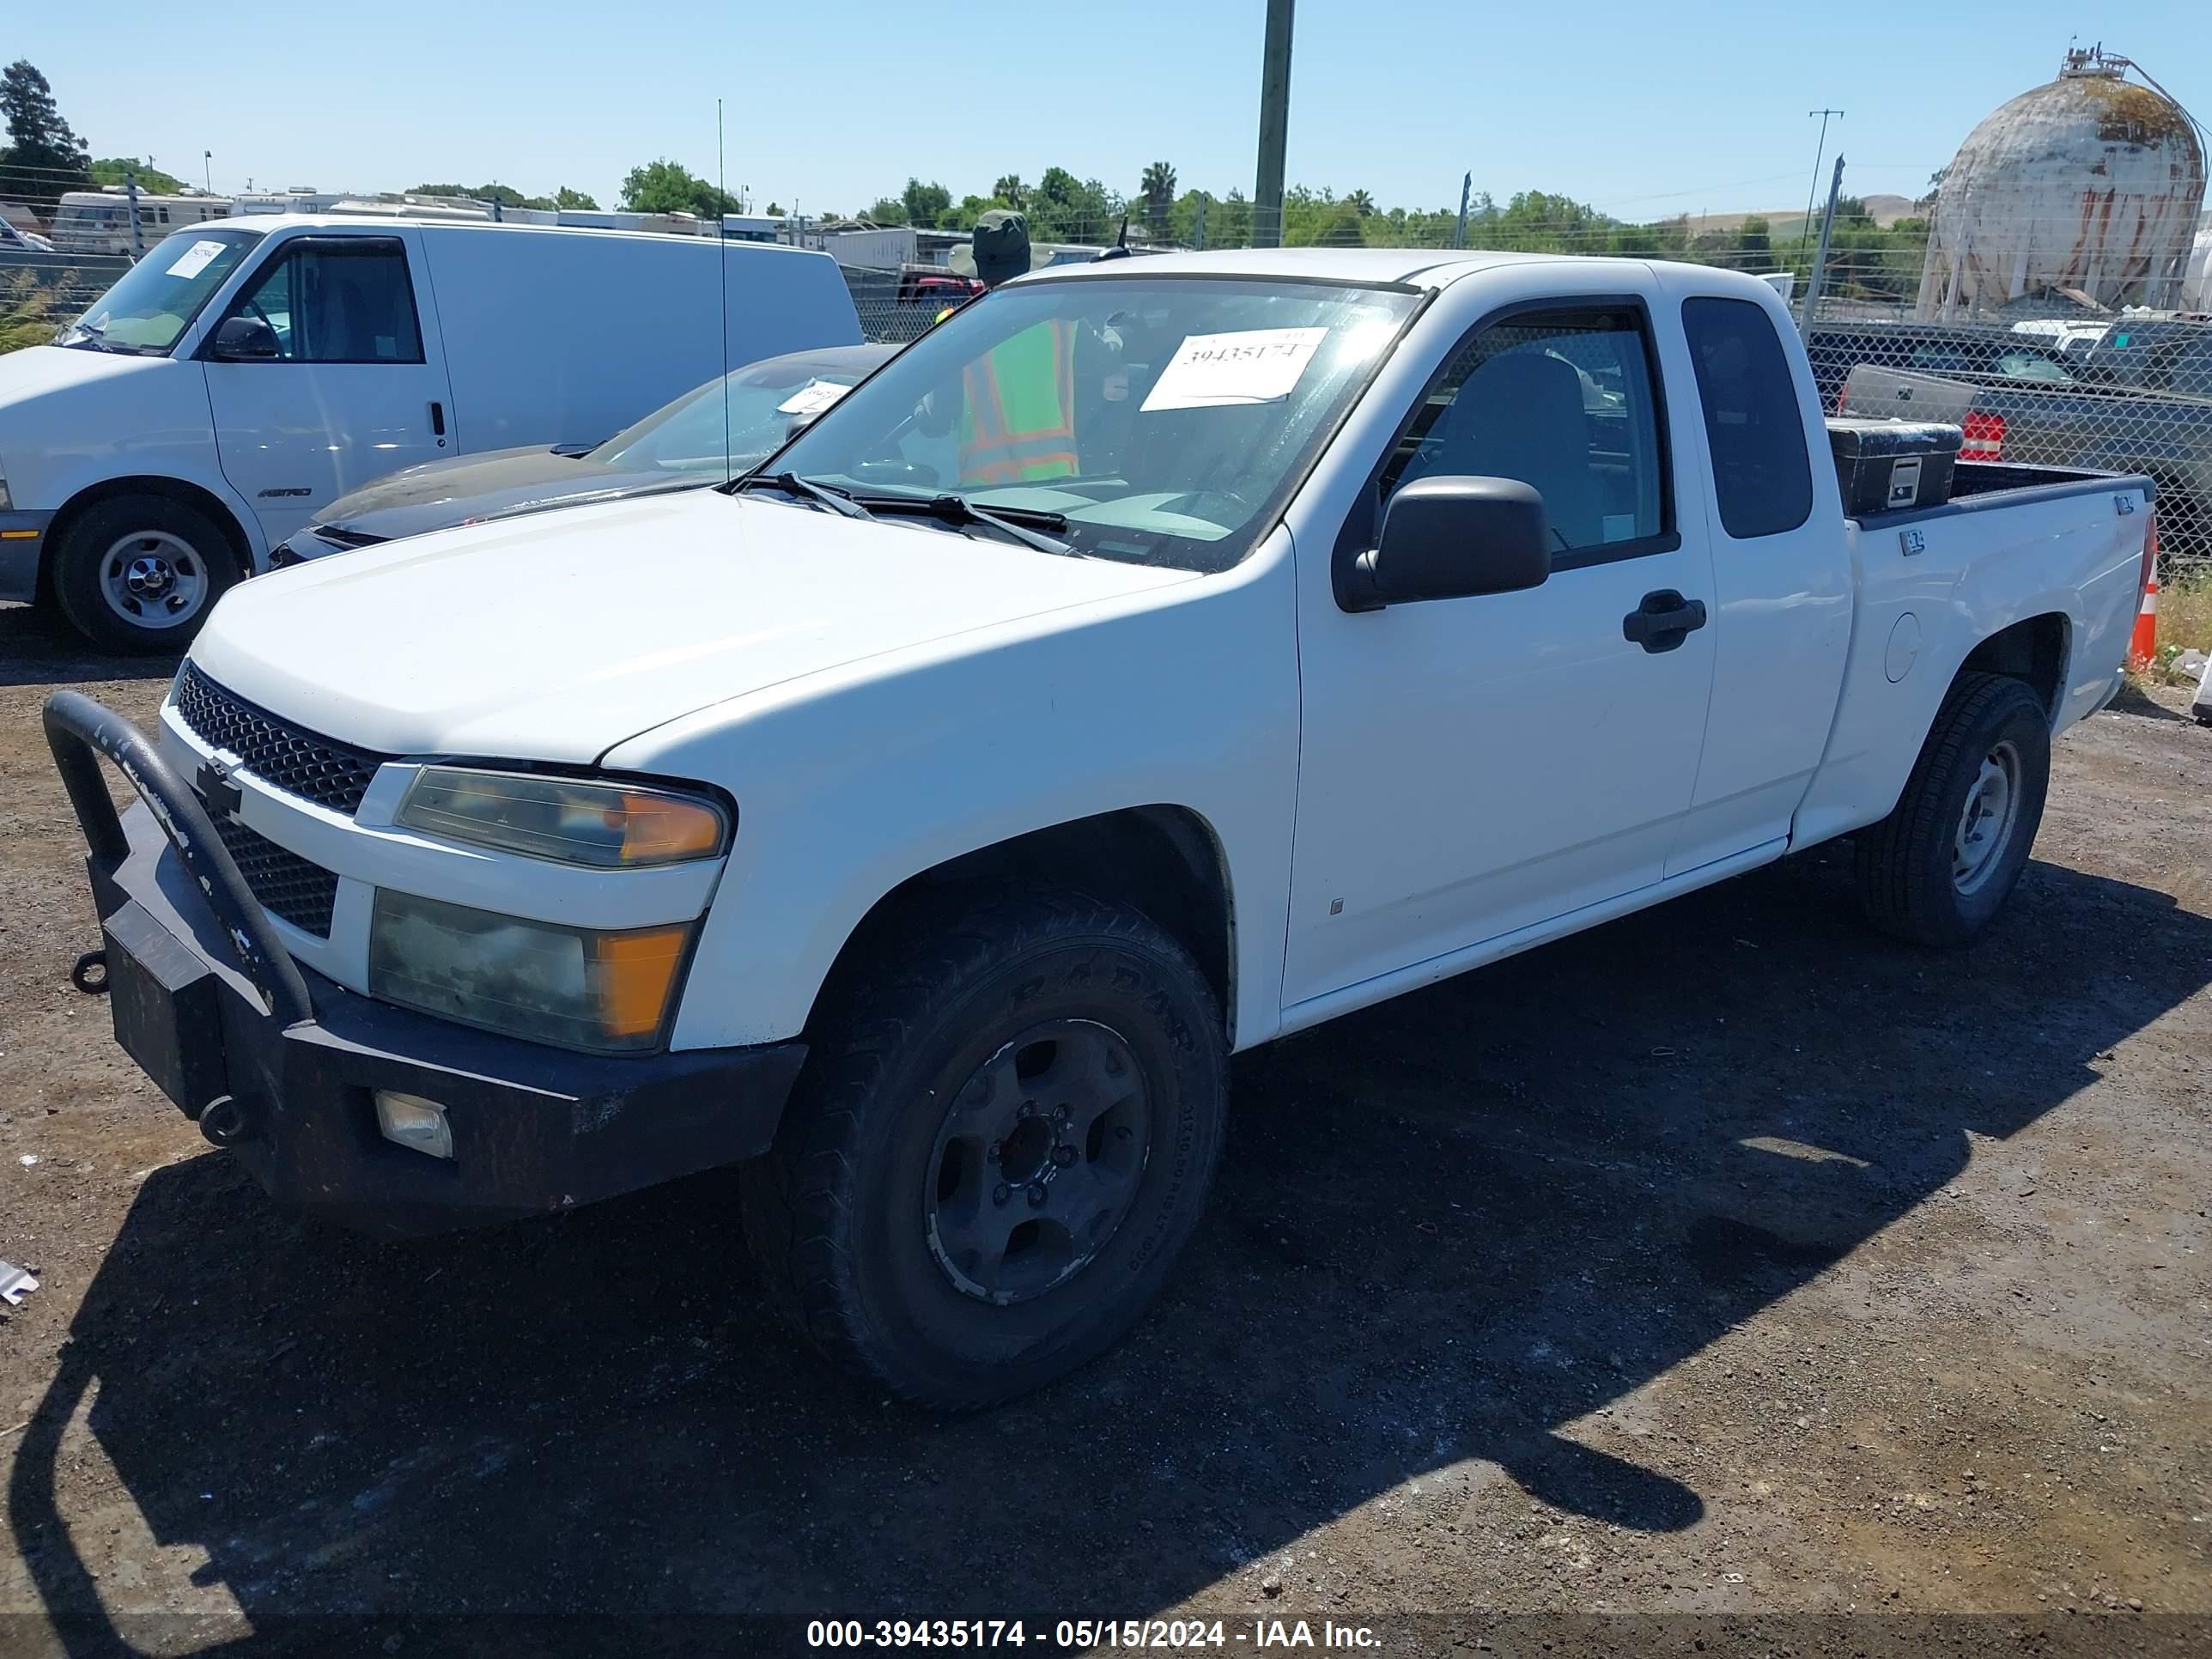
281,1066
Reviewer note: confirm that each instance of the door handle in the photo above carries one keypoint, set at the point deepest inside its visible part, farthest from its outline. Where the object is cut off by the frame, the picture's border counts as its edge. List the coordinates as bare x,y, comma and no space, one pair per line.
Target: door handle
437,419
1663,621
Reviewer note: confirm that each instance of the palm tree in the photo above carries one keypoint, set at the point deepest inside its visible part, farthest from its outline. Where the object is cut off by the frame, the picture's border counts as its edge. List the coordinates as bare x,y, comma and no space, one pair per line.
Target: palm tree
1362,204
1011,190
1158,189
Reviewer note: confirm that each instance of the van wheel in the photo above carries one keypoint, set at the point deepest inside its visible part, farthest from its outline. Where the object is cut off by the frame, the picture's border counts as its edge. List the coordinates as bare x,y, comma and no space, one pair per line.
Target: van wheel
141,573
1936,869
991,1165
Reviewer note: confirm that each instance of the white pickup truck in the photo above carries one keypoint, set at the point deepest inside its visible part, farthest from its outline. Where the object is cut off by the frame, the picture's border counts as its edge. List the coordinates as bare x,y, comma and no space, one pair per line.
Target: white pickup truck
1158,657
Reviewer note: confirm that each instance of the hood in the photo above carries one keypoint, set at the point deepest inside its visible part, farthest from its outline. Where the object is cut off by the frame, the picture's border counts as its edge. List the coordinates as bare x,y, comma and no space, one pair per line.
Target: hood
440,495
42,370
555,638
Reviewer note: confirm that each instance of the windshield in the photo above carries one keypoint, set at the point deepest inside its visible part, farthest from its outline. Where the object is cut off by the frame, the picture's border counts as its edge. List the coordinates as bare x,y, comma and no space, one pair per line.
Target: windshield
767,402
156,299
1165,419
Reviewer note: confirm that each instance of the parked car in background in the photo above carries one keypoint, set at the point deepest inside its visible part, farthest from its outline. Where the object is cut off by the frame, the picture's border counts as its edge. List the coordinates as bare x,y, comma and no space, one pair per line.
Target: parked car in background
243,376
700,439
98,221
1835,349
2158,422
924,835
22,241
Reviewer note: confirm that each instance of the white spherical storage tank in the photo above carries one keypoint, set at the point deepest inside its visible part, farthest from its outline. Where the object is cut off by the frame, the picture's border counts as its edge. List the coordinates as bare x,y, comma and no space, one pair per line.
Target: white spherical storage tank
2089,183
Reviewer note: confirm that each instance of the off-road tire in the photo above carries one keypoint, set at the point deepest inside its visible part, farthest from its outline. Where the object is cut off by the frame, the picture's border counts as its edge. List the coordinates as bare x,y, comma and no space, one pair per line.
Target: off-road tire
834,1213
1906,881
78,578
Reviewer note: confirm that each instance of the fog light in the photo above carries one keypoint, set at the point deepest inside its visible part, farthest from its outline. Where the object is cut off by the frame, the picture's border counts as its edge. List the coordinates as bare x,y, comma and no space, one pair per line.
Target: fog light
412,1120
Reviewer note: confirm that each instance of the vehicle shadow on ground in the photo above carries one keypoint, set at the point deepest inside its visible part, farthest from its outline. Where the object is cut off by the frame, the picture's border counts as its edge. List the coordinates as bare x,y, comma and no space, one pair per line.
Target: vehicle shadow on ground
37,647
1447,1230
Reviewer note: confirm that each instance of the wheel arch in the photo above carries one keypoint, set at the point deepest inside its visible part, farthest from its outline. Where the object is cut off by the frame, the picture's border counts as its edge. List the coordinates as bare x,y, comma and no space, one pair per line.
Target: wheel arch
2034,650
196,496
1161,859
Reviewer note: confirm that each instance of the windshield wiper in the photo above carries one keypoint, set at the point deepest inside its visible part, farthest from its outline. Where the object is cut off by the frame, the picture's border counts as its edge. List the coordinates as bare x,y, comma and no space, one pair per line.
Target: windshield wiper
837,501
81,333
1022,523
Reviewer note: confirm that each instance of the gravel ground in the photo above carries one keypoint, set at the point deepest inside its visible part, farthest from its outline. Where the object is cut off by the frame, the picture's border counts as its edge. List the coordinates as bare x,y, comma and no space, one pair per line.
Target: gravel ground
1724,1276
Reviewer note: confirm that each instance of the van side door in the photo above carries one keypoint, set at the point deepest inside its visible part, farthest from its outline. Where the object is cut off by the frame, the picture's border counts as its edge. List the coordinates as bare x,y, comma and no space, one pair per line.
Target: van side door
333,377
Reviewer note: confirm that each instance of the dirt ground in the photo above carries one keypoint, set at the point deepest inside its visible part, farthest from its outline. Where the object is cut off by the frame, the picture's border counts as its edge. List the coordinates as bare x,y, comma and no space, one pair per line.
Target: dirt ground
1725,1276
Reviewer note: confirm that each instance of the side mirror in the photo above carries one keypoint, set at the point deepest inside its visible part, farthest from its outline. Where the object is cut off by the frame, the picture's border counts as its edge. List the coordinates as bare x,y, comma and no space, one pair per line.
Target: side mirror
244,340
1452,539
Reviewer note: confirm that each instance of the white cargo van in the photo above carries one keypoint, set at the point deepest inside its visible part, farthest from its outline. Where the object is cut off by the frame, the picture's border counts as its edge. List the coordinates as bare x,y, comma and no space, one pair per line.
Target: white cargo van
242,376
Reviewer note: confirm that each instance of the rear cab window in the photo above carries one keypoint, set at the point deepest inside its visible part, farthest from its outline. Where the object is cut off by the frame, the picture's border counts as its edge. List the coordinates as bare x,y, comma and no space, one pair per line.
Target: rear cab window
1762,474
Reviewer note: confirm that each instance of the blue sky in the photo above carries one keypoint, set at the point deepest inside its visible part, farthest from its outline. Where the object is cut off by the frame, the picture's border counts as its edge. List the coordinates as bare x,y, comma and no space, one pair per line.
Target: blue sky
1643,110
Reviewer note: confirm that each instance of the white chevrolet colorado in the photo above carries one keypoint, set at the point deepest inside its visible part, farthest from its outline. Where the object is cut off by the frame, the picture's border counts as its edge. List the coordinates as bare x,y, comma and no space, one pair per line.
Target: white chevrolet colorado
1158,657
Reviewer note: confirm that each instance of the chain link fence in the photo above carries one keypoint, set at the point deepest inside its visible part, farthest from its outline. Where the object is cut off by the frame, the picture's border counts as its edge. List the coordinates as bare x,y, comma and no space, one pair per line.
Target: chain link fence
2043,344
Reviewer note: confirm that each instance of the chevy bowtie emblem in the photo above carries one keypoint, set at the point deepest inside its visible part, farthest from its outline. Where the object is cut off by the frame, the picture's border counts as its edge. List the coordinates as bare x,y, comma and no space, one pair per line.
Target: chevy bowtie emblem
221,795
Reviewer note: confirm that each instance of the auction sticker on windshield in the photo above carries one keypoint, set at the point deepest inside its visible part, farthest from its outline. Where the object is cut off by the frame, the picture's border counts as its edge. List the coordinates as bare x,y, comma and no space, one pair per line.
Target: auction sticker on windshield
1252,365
812,398
194,259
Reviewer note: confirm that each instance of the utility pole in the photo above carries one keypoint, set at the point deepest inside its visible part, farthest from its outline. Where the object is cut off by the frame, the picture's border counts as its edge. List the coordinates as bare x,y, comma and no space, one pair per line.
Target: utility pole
1821,259
137,233
1274,126
1466,184
1819,154
207,169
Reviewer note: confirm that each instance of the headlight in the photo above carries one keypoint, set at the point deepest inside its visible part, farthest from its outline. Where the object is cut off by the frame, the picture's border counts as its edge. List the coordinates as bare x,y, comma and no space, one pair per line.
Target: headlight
581,989
570,820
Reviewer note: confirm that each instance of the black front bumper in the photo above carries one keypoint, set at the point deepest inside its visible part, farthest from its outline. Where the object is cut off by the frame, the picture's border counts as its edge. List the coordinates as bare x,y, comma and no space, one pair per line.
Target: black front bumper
280,1065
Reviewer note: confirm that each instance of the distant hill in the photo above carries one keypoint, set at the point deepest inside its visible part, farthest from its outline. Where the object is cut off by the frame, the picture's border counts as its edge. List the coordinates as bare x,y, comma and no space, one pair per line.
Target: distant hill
1783,223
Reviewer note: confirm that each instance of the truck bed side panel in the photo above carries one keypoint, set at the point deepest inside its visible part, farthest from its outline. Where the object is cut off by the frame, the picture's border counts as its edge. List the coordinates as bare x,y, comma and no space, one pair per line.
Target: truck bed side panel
1983,564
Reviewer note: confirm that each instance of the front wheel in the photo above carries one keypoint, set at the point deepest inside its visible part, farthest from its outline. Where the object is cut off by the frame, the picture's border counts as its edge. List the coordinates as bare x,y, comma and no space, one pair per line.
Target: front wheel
141,573
1939,866
990,1166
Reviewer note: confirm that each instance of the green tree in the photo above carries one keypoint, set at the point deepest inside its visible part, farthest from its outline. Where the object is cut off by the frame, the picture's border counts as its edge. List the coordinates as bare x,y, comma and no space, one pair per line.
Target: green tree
1755,245
1065,209
1362,204
774,211
42,156
923,202
1159,190
575,201
151,178
887,210
1011,190
666,186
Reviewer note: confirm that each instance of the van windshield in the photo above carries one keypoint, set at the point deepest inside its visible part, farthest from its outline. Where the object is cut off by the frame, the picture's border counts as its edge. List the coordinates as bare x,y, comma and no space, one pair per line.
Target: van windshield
1155,421
155,300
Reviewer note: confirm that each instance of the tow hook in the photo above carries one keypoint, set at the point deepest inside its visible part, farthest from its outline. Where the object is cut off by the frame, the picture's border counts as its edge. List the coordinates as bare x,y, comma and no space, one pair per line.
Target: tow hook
90,973
224,1122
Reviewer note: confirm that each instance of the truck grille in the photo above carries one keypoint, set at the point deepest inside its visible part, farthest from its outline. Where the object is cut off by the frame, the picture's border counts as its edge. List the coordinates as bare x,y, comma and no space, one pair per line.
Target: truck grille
298,762
286,885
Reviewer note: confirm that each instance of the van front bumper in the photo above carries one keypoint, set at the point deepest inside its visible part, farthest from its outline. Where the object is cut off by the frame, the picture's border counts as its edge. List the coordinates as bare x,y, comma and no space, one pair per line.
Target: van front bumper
281,1066
22,537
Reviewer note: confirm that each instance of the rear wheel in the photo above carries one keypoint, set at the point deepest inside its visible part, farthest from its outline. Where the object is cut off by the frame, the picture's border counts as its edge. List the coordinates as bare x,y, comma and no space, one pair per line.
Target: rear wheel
1937,868
141,573
993,1162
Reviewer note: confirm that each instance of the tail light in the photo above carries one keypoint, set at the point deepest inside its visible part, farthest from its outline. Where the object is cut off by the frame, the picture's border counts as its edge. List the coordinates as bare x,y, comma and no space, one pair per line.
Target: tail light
1985,436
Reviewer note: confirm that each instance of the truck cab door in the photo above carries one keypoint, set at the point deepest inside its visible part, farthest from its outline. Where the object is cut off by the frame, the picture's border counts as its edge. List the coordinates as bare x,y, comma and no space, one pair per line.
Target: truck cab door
1474,767
355,386
1782,576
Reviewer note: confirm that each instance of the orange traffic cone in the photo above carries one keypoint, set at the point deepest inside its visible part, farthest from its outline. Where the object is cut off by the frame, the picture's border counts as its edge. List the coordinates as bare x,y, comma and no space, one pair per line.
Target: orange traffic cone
2144,645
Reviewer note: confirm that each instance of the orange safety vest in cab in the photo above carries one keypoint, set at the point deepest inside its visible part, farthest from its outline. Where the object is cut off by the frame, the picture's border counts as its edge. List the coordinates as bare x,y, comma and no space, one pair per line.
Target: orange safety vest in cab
1017,421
